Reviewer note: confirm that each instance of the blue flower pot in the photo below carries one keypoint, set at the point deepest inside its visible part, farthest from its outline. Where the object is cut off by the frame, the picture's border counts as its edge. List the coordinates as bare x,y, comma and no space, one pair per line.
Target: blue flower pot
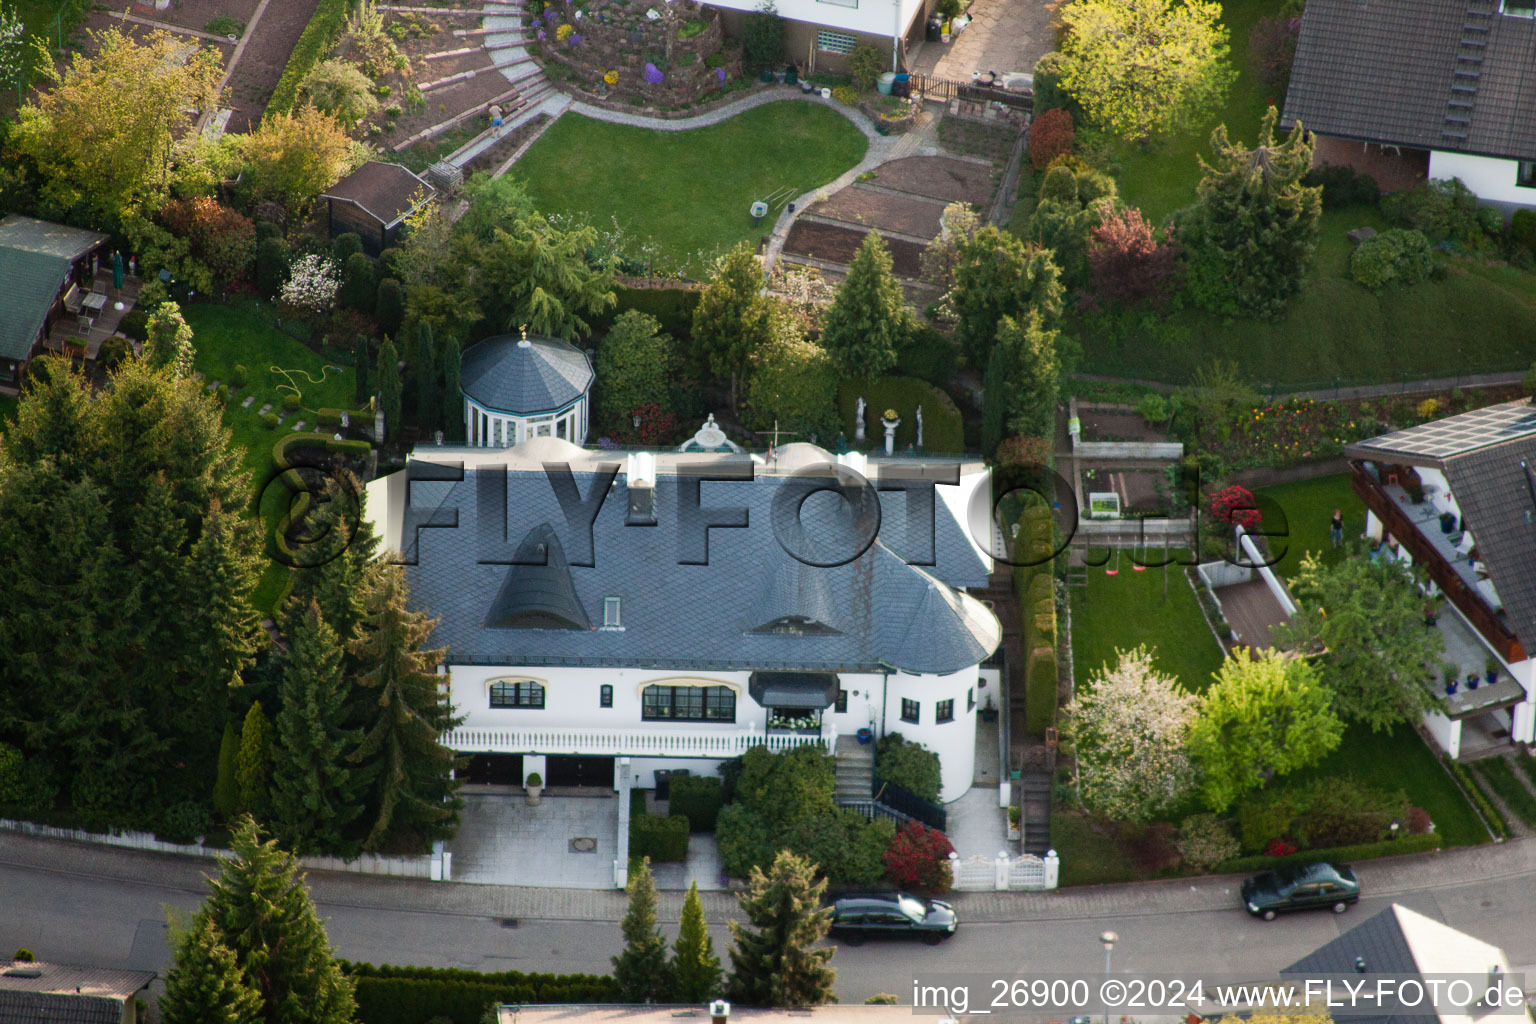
1472,682
865,735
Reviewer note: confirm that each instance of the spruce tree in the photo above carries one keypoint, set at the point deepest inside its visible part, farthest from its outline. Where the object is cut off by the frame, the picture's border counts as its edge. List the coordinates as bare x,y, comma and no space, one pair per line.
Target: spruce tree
389,387
410,796
694,970
260,908
1029,375
995,401
338,563
641,969
869,319
425,368
1258,217
772,959
168,344
723,321
314,795
253,765
362,390
452,408
226,792
998,275
206,984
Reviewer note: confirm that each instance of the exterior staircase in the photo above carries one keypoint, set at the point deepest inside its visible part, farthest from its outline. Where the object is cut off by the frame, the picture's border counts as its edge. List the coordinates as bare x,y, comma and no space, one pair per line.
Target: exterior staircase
1034,794
855,770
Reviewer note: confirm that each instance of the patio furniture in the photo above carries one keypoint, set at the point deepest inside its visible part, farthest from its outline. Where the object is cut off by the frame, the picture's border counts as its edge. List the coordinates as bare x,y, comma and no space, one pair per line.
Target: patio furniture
95,302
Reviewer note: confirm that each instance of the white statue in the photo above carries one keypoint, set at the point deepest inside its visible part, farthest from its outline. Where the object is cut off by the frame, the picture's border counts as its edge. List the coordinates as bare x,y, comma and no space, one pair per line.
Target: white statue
919,428
858,420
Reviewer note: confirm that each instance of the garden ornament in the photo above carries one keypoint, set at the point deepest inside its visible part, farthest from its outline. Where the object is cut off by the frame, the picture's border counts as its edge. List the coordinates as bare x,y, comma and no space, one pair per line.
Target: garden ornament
858,420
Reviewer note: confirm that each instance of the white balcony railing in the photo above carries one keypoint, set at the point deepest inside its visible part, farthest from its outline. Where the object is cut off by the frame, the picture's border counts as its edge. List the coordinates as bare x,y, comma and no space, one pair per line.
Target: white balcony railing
661,740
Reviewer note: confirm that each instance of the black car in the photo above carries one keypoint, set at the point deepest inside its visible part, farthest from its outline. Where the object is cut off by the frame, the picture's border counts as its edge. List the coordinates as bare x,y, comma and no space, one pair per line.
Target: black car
1304,887
880,915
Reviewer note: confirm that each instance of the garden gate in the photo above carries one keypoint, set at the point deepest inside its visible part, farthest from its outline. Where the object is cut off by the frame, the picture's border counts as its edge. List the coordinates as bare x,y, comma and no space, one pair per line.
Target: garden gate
1004,873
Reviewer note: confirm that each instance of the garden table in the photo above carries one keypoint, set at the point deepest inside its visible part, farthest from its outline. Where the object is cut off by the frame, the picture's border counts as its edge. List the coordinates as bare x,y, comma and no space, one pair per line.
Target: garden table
94,302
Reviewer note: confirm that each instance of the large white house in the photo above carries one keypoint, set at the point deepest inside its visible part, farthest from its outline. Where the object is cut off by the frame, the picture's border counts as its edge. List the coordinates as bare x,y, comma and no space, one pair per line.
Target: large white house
679,608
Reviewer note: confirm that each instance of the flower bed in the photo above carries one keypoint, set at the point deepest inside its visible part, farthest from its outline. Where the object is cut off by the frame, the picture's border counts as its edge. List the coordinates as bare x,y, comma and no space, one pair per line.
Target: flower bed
891,115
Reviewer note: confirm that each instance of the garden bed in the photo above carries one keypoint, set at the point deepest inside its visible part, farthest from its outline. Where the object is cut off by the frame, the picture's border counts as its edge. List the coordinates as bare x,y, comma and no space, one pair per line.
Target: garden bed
1109,424
835,244
263,61
941,177
871,207
196,14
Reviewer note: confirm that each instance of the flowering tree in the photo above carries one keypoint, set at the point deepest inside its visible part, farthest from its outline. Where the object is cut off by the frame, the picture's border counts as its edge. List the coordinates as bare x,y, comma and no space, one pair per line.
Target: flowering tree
1236,506
919,858
313,283
1128,728
12,46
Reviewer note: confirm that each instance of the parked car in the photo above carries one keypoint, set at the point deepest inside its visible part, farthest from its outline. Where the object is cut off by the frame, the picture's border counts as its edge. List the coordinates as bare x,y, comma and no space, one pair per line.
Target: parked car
893,914
1303,887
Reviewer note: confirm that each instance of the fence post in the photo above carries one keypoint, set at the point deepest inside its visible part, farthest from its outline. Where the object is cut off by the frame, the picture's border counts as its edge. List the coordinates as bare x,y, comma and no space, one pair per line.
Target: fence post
437,861
1052,869
1000,871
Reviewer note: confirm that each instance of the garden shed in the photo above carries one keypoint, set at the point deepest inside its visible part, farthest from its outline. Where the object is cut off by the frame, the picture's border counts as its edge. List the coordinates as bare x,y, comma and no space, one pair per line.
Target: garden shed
42,265
373,202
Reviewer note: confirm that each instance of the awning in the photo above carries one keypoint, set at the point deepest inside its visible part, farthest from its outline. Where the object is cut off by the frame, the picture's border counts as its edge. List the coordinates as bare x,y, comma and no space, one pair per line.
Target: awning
793,689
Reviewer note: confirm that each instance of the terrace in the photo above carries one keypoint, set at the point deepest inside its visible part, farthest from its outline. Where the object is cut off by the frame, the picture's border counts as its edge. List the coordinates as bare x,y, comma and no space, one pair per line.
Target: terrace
88,325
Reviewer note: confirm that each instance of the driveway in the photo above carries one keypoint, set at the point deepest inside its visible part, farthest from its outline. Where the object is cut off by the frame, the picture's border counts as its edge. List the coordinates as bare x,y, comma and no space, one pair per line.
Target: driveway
1004,35
566,842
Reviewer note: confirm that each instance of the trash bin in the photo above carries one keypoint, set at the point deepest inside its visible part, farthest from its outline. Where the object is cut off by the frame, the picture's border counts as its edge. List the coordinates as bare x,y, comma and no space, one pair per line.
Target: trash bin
664,781
790,77
934,29
883,83
902,86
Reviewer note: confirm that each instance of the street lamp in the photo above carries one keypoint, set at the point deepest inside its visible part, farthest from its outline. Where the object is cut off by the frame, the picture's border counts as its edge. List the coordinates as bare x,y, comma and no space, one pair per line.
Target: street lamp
1109,939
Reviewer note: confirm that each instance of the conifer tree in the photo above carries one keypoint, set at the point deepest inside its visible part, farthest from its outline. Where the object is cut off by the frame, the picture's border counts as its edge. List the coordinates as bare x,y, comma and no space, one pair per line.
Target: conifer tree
389,387
253,765
451,412
362,389
1258,217
226,792
998,275
724,327
206,984
694,970
425,368
168,344
314,795
1022,380
869,319
260,908
410,797
337,565
772,959
641,969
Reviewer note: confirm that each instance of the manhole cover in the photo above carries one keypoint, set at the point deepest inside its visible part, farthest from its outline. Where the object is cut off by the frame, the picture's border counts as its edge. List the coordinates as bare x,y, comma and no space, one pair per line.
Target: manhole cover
583,845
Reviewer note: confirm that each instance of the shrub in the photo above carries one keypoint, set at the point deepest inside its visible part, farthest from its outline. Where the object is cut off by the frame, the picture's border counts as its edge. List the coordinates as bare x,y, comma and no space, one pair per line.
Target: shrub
317,39
113,351
1272,48
269,420
1050,135
1154,847
882,999
222,394
1343,187
845,94
918,857
340,89
359,283
1048,92
659,838
1440,209
135,324
24,955
1397,256
909,765
763,37
1235,506
1059,185
1417,821
866,65
271,267
928,355
1126,262
346,245
290,402
1264,816
328,419
1522,228
389,306
239,376
1205,841
11,763
697,798
1153,408
184,823
1339,855
845,847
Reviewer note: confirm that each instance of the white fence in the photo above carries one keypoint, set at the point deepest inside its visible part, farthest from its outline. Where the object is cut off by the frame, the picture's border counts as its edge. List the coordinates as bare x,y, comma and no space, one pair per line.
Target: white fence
633,742
367,864
1003,873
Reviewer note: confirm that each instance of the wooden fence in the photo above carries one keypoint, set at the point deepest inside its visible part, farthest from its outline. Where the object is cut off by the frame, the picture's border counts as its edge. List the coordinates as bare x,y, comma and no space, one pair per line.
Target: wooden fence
947,89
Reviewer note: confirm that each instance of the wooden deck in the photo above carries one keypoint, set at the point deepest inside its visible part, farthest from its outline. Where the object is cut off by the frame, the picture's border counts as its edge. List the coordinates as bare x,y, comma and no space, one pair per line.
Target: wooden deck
66,335
1251,609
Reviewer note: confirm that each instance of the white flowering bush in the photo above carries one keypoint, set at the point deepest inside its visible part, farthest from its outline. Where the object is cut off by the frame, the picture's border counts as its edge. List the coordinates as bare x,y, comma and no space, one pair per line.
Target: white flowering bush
312,284
1129,728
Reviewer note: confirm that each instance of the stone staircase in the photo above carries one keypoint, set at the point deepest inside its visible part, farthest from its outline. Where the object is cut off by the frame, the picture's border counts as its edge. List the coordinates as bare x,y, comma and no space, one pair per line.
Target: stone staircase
1034,795
855,770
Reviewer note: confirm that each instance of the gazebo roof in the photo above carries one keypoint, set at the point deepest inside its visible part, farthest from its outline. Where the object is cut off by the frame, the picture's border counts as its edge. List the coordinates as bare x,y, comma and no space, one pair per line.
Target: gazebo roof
524,376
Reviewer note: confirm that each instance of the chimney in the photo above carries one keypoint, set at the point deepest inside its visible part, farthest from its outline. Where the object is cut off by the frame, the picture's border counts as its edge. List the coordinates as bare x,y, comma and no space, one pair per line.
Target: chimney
719,1012
640,486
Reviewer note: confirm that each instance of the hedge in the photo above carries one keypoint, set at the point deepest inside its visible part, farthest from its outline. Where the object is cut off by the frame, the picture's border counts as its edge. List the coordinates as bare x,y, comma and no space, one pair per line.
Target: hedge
660,838
943,429
316,440
672,307
697,798
1035,588
1491,816
1501,779
319,36
1335,855
410,995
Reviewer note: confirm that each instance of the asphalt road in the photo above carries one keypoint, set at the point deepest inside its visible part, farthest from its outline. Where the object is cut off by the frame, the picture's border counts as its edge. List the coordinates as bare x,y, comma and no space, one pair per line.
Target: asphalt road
71,915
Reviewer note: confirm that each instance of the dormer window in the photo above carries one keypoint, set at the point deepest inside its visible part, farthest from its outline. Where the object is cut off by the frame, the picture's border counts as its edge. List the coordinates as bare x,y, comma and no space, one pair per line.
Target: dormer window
1518,8
796,625
612,607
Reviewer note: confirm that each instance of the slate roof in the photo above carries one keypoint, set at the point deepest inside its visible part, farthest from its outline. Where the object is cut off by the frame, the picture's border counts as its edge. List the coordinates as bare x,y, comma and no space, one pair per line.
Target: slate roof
65,993
1491,486
884,612
1398,72
384,191
545,375
35,257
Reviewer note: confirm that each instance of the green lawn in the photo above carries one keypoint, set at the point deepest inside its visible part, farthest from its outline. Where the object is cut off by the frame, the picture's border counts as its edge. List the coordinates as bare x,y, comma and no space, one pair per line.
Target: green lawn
689,192
1308,506
1127,609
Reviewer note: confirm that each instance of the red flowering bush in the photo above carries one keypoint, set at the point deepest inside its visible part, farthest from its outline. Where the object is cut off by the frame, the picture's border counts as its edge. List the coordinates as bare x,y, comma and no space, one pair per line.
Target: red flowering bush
1279,848
1127,262
1050,135
918,858
657,426
1235,506
1024,450
1418,821
222,238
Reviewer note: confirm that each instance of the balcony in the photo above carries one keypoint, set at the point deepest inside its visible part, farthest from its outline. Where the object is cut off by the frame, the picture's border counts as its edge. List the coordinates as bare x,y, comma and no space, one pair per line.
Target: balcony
662,741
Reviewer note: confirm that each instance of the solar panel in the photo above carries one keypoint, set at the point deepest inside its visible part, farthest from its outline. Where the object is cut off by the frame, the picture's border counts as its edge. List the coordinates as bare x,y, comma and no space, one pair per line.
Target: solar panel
1457,435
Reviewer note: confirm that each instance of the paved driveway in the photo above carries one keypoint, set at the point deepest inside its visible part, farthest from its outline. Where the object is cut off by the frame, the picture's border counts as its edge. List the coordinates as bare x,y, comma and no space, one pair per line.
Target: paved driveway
1004,35
504,841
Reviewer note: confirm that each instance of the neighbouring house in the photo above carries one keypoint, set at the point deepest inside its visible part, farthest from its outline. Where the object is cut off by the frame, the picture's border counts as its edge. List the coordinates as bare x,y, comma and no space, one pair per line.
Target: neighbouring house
678,630
1447,82
42,266
1457,498
374,202
516,388
1410,947
33,991
819,35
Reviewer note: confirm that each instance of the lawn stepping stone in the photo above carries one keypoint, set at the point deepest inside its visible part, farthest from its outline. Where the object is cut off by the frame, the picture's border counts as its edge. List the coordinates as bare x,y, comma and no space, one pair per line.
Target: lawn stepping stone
264,409
299,425
247,403
213,385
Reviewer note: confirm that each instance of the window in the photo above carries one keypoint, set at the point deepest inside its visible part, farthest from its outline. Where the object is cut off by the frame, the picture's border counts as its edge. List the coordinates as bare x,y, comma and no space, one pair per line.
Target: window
688,704
605,696
842,701
1519,8
841,3
945,711
910,711
612,606
1525,177
835,42
522,694
970,699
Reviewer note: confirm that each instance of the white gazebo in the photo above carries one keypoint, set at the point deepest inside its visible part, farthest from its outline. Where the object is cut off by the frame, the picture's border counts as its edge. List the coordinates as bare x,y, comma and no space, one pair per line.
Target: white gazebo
517,388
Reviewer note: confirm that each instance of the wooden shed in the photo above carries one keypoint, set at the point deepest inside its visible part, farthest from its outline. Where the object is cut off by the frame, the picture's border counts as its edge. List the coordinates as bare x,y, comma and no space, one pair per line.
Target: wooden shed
374,202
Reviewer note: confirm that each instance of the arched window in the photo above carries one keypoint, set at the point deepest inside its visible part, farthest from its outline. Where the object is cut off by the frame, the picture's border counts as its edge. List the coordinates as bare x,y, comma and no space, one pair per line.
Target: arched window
517,693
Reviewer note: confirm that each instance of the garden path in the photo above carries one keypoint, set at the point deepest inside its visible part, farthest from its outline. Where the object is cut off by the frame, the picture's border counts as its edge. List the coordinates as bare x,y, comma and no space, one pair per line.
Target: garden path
1004,35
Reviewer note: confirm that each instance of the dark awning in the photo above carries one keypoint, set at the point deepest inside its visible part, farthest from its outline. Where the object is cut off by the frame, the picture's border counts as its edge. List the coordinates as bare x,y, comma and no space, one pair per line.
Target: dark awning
793,689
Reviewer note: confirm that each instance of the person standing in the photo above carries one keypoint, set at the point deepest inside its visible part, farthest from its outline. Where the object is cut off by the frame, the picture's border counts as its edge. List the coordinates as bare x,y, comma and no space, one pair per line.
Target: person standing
495,120
1336,528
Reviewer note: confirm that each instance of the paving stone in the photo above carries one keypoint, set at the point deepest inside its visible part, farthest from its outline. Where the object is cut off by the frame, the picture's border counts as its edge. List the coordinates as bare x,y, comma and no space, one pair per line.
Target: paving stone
264,409
299,425
247,403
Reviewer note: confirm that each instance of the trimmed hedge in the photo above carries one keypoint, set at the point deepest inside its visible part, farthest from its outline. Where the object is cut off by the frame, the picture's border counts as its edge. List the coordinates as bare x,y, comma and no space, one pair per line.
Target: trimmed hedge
410,995
1490,814
672,307
1037,607
697,798
943,429
319,36
1335,855
1501,779
660,838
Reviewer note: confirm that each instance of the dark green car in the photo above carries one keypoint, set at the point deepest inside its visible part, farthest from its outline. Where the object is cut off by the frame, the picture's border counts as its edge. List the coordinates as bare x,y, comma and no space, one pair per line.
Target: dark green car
1304,887
891,915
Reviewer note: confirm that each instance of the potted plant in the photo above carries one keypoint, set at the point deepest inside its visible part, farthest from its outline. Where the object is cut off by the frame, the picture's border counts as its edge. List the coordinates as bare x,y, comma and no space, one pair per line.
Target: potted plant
1448,673
1014,833
534,785
1432,610
1472,680
1491,669
1447,522
989,713
864,736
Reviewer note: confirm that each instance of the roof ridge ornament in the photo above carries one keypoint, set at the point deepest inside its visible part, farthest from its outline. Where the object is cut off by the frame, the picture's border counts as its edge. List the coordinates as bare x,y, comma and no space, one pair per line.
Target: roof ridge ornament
524,342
